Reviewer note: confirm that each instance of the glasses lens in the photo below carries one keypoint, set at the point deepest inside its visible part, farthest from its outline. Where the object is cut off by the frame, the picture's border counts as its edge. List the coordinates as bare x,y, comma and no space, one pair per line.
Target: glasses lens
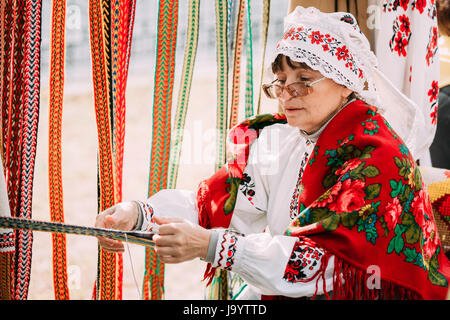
272,91
298,89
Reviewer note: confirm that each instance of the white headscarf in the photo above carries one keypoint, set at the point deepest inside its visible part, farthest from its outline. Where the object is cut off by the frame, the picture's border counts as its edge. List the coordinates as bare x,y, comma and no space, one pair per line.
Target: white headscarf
333,44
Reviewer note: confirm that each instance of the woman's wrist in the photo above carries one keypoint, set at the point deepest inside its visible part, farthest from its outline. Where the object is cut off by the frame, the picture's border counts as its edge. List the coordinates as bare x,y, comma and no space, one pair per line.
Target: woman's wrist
139,216
210,254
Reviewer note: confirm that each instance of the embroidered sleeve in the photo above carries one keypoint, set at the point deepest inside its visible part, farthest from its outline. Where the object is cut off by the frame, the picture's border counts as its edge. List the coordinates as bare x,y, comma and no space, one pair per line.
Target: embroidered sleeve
226,248
306,262
145,220
167,203
276,265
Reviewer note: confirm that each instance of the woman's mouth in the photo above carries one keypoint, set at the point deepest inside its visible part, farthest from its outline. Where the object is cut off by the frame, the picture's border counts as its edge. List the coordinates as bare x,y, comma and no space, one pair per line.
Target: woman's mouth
291,109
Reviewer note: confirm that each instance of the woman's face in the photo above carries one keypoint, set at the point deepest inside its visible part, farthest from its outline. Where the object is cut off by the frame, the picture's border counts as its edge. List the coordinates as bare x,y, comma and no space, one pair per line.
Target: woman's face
309,112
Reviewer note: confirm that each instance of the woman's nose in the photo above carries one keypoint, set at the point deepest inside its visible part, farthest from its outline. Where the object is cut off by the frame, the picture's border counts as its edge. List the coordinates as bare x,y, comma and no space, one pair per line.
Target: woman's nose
285,95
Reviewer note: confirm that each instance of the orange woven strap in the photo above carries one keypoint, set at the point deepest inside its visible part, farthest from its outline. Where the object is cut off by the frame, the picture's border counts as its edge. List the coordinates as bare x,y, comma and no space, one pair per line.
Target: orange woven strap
111,25
164,78
122,21
107,275
54,148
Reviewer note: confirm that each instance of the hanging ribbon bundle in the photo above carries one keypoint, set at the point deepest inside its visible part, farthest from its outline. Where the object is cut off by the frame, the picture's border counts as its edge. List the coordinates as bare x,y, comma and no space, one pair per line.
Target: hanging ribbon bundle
19,99
153,286
111,26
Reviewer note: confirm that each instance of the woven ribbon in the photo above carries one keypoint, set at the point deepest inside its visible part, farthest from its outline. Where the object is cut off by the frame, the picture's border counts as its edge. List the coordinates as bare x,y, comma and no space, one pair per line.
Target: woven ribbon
153,286
249,110
19,98
238,44
54,148
222,80
111,25
136,237
122,22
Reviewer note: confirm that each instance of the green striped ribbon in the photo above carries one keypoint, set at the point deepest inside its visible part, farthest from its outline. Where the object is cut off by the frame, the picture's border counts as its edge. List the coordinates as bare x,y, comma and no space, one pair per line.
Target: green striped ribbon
249,111
185,88
222,80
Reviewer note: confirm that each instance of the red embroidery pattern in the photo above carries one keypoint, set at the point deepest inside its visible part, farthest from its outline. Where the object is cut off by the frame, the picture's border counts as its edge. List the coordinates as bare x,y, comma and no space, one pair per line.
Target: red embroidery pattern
402,34
7,242
433,94
432,45
392,5
329,44
304,263
419,5
147,213
247,187
227,250
293,208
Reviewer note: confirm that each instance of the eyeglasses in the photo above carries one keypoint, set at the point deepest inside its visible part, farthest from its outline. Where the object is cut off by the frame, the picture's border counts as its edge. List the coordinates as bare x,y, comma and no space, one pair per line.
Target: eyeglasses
274,90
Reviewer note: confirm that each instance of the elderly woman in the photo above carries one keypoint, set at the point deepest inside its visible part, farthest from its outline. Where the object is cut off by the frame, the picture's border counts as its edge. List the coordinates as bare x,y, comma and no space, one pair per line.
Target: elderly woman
324,199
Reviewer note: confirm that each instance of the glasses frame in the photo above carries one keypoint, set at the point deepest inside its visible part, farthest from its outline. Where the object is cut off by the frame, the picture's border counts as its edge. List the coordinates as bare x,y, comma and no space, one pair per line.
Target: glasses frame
292,92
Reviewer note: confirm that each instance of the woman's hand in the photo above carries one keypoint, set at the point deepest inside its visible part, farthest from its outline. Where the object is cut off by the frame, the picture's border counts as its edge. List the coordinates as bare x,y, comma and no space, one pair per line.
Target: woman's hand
179,240
122,216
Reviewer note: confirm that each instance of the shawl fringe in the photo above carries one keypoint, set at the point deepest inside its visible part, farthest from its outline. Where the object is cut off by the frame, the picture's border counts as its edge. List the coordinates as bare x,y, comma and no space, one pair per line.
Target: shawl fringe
350,283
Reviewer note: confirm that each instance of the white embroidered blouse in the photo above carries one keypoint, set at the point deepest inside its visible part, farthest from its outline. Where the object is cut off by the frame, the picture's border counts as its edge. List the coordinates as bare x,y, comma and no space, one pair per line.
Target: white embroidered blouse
254,246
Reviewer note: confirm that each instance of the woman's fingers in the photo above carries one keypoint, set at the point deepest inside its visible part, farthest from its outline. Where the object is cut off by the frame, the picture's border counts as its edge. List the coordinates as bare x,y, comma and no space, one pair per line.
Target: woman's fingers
167,220
100,219
107,220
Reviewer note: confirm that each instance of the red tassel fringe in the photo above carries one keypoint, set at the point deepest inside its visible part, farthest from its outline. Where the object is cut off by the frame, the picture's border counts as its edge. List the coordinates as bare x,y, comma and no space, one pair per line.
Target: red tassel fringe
350,283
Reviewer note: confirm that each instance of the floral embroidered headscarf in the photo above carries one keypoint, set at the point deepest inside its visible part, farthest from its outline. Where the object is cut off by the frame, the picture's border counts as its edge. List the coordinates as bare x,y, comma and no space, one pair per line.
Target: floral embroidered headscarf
333,44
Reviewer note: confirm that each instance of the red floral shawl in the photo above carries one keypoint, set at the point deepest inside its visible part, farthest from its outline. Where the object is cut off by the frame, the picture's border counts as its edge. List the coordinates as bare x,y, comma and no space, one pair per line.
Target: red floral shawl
362,199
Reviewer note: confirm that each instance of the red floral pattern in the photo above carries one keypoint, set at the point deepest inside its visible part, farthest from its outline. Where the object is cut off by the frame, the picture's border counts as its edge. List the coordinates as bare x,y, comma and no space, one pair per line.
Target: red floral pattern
432,46
350,197
434,114
392,212
431,238
434,91
419,5
404,24
316,37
